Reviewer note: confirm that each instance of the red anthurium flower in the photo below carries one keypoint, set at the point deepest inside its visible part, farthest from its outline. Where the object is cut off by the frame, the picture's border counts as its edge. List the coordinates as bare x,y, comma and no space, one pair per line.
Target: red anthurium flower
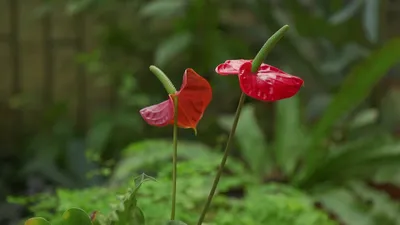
268,84
193,98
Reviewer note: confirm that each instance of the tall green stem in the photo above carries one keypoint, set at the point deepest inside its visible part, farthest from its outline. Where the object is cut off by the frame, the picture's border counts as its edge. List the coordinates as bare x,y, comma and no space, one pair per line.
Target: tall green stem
170,88
224,158
267,47
174,157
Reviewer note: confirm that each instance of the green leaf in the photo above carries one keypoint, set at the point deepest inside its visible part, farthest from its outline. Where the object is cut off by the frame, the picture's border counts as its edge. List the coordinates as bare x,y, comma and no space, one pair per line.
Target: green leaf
175,222
76,7
355,88
347,12
75,216
127,212
360,204
151,153
371,20
289,135
344,204
382,204
357,160
162,8
358,85
250,138
171,47
37,221
139,217
364,118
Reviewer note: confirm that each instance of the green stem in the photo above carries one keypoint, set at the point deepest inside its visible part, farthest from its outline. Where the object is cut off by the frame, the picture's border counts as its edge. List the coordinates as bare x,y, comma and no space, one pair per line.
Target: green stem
224,159
169,87
267,47
174,157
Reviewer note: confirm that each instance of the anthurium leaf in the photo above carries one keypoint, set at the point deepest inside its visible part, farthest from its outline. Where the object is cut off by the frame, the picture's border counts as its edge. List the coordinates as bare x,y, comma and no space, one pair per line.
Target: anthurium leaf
162,8
358,84
371,20
357,160
75,216
249,136
355,88
37,221
343,203
175,222
380,202
347,12
171,47
288,133
151,153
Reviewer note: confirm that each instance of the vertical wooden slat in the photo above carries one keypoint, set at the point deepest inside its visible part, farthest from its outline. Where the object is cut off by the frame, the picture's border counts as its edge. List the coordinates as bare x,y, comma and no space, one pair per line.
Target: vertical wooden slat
81,114
15,50
48,61
16,68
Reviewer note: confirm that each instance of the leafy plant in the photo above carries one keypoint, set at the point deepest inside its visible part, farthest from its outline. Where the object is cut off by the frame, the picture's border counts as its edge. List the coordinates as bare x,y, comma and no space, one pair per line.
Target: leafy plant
274,201
124,211
307,157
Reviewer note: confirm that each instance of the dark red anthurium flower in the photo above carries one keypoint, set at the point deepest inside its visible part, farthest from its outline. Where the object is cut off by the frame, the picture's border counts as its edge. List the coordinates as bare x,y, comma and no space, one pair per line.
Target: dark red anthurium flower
193,98
268,84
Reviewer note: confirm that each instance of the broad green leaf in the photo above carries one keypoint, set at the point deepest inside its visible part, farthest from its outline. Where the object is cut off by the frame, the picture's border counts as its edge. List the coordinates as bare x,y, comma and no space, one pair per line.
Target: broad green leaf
289,136
75,7
75,216
347,12
355,88
175,222
171,47
371,19
151,153
344,204
390,109
380,202
37,221
163,8
358,84
358,160
388,174
250,138
98,136
364,118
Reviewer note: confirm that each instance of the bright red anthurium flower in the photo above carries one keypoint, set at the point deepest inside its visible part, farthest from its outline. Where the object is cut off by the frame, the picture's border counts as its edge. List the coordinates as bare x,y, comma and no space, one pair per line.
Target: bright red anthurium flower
193,98
268,84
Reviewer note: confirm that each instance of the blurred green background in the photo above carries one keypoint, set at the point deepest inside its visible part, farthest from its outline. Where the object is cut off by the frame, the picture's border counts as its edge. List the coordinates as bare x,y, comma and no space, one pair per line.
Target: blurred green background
74,75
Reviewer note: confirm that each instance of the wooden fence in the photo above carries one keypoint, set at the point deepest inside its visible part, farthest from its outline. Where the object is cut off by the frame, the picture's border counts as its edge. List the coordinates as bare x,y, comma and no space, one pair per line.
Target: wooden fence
38,67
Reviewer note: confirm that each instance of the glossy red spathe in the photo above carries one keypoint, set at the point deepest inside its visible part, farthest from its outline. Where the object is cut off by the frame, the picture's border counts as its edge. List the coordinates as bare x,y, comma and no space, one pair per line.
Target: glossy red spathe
193,98
267,84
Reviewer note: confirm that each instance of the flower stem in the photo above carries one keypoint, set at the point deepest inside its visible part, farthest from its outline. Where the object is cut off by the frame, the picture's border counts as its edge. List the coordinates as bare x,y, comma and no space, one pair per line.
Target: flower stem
224,159
169,87
174,157
266,48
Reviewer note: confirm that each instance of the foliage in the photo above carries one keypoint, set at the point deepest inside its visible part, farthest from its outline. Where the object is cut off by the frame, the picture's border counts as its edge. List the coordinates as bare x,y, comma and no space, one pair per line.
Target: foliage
280,204
122,211
325,143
